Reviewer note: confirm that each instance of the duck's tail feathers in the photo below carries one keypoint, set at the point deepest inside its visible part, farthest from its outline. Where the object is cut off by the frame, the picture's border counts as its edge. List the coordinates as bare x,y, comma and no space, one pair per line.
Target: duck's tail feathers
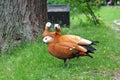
89,55
89,48
94,42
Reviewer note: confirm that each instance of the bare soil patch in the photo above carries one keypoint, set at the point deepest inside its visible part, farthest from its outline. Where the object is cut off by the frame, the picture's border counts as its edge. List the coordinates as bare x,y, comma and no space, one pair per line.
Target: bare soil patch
115,6
116,76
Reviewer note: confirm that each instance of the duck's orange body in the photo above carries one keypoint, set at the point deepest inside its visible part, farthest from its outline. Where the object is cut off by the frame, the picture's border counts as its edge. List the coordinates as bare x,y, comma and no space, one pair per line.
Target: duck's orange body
70,38
66,50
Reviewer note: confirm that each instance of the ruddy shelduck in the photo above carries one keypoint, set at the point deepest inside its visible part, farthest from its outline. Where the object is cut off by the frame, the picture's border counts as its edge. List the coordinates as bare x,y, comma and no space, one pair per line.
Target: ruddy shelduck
71,38
66,50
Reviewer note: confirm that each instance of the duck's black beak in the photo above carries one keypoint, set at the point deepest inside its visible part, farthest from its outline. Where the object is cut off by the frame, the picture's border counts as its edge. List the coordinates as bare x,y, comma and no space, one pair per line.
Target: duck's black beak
55,28
42,42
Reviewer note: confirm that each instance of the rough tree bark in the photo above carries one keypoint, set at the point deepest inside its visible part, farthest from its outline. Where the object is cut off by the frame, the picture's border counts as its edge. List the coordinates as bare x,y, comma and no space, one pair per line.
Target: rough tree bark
21,20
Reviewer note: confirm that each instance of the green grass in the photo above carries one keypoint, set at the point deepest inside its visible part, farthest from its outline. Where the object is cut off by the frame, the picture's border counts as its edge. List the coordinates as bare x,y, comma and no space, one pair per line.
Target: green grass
32,61
110,14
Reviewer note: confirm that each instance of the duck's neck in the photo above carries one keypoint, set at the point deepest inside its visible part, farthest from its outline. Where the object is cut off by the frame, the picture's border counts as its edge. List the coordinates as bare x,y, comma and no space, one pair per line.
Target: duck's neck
46,29
50,44
58,32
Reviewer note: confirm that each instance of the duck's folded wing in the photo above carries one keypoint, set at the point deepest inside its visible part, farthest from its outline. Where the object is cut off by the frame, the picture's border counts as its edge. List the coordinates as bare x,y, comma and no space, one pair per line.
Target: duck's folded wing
75,39
72,46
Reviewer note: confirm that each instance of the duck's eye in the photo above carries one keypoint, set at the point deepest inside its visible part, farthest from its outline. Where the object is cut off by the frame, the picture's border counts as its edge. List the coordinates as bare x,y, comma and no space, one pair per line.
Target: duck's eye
45,38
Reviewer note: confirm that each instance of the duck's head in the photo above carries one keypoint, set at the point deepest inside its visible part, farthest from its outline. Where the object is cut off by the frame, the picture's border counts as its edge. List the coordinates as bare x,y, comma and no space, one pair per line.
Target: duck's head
56,26
48,39
48,25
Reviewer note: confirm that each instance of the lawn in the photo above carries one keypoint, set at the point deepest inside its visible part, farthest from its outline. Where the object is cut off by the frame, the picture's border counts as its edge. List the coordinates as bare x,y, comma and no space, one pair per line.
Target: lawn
31,61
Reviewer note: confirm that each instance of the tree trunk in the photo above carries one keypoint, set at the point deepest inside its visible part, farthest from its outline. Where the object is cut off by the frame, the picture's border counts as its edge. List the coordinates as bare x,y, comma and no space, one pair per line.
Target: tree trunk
21,20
